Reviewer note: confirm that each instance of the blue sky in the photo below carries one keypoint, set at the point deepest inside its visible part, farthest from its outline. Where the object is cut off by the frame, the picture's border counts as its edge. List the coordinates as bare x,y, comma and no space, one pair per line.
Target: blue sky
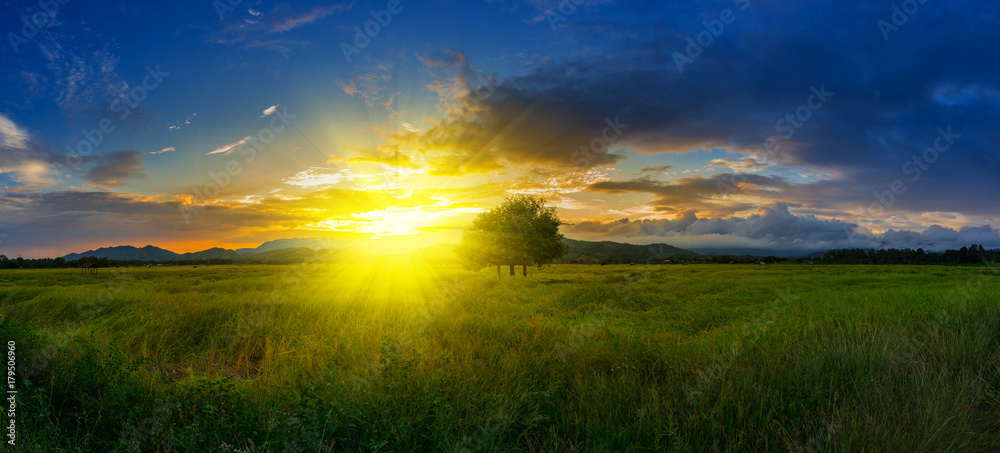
709,124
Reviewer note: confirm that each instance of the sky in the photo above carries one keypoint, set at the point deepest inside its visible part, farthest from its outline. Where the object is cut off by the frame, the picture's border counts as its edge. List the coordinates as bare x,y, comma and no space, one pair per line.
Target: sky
390,124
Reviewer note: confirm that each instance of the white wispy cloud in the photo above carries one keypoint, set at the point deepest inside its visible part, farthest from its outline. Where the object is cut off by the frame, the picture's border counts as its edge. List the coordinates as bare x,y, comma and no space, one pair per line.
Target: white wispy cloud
176,125
11,135
270,110
164,150
320,177
227,149
312,16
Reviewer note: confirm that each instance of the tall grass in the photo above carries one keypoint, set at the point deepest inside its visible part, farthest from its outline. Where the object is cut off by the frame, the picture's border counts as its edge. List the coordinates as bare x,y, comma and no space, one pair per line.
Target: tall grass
401,356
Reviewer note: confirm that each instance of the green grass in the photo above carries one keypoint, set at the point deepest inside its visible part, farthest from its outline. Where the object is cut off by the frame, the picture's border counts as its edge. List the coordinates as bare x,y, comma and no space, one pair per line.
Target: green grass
395,356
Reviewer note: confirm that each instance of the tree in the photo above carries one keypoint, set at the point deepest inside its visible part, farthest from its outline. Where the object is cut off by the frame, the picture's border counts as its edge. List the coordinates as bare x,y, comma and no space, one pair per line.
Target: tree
522,228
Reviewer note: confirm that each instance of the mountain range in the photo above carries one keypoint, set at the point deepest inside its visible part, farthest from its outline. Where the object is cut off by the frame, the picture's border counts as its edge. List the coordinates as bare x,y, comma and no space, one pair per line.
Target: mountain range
289,249
152,253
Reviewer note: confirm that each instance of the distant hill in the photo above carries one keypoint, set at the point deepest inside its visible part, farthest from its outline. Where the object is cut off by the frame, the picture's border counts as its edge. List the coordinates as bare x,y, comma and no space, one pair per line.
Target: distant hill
287,256
616,252
126,252
304,250
279,244
212,253
151,253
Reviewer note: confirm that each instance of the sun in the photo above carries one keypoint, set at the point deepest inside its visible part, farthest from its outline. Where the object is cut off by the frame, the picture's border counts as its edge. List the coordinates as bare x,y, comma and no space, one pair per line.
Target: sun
396,230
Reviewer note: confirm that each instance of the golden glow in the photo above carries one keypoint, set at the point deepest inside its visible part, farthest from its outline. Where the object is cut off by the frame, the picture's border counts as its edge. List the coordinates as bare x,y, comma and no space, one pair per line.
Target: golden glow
398,230
382,282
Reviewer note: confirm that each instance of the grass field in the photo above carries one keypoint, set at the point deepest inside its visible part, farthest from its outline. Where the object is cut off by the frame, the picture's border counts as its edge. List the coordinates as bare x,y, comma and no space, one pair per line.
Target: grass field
401,356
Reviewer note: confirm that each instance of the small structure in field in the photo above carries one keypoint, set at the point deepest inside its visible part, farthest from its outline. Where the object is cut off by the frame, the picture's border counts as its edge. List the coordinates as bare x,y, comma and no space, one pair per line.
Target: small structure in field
524,266
89,268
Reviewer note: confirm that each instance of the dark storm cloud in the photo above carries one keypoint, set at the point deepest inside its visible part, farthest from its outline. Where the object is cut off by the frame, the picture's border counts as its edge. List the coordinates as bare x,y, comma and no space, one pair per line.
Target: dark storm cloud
696,192
861,107
522,121
114,168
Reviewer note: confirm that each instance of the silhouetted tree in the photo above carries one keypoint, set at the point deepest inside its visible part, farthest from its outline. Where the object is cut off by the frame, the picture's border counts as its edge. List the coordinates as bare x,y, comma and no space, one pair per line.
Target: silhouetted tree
522,228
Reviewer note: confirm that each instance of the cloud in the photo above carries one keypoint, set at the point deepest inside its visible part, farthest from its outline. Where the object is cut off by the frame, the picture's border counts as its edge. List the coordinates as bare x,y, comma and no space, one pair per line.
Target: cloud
734,98
270,110
313,15
27,162
489,125
12,136
228,149
114,168
392,159
774,227
90,86
253,29
371,85
319,177
38,221
164,150
744,165
657,168
937,237
281,46
174,126
700,193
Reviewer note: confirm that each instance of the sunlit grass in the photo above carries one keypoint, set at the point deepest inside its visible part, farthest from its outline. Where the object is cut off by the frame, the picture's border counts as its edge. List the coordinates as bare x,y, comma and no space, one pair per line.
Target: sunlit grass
401,354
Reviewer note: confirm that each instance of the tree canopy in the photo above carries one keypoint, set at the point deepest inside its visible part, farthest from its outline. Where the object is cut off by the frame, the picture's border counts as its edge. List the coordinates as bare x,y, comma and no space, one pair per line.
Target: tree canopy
521,228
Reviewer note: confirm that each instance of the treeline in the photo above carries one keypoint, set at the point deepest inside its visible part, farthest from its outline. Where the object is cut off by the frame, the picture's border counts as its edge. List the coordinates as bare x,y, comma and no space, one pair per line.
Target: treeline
976,254
716,259
746,259
58,263
295,255
285,256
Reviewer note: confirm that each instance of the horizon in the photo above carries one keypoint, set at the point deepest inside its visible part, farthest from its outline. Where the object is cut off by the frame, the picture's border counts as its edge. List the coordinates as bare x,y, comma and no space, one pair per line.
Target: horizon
356,246
389,125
